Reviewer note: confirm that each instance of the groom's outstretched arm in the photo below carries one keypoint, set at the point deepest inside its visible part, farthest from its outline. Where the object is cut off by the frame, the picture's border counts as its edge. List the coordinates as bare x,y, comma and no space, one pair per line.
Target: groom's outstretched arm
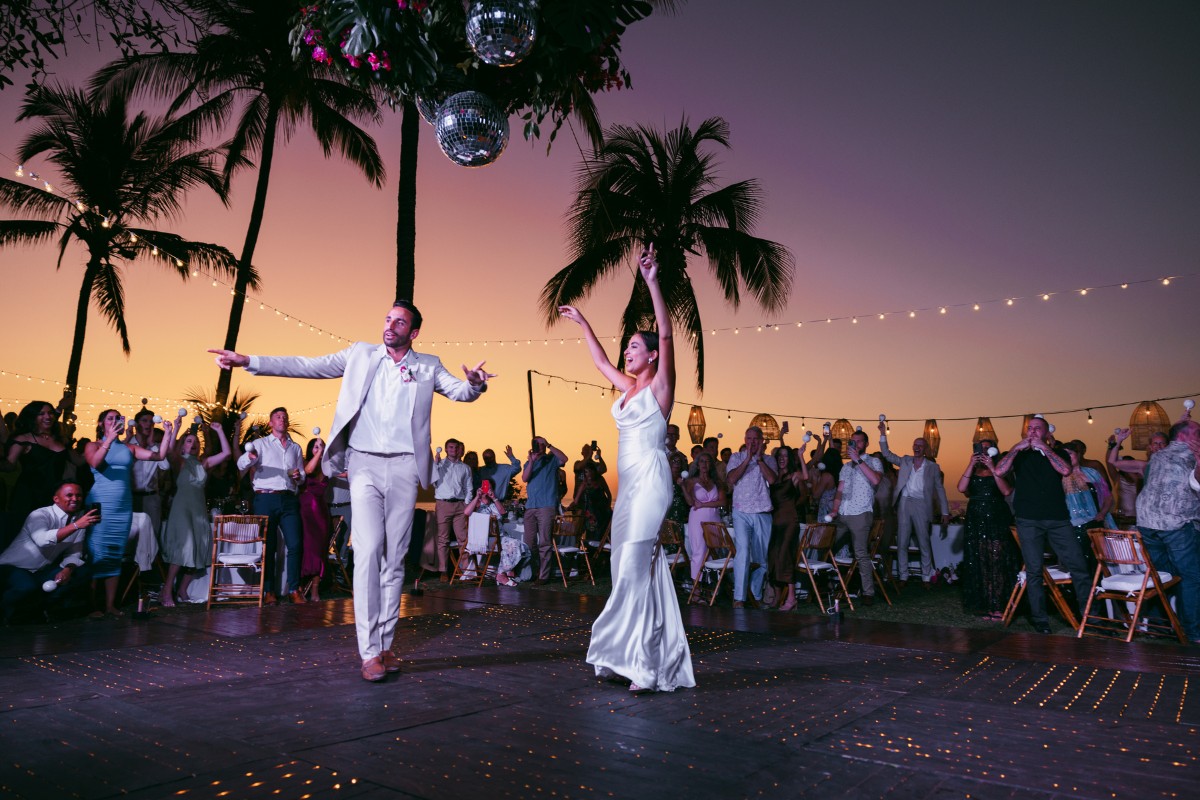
330,366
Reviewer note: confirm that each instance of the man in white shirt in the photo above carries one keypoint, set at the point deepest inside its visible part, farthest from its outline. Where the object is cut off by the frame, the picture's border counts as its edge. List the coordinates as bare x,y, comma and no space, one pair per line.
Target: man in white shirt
381,435
48,548
853,507
751,474
920,482
452,489
278,473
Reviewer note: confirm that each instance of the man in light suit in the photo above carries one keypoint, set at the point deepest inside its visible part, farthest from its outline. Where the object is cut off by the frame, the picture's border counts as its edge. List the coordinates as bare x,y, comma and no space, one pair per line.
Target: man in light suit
381,436
919,482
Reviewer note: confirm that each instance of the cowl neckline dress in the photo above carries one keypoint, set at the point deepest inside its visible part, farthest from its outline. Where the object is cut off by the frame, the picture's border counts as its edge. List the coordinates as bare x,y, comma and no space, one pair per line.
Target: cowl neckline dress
640,635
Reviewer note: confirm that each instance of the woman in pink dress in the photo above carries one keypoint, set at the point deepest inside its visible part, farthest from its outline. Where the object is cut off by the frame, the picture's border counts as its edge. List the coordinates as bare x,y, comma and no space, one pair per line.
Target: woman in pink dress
706,496
314,517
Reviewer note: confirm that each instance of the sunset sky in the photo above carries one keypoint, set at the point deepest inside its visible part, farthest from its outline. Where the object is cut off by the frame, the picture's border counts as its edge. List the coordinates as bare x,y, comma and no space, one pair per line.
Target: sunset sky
913,155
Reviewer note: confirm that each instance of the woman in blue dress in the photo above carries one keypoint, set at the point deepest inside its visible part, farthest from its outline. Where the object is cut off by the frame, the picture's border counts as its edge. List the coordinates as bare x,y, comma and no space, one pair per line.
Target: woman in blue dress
639,636
111,462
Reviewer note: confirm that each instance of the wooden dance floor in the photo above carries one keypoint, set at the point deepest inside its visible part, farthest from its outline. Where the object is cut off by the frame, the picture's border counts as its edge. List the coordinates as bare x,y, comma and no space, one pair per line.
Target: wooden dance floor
496,701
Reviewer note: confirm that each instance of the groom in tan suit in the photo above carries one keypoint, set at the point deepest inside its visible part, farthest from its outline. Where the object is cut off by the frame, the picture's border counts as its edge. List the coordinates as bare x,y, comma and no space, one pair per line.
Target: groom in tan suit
919,484
381,437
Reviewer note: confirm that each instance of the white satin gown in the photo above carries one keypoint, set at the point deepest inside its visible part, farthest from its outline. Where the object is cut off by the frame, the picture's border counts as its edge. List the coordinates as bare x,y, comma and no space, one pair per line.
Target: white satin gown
639,635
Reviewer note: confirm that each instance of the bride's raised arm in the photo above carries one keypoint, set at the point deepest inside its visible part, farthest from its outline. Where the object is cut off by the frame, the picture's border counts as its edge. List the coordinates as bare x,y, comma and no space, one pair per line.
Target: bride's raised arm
663,385
599,357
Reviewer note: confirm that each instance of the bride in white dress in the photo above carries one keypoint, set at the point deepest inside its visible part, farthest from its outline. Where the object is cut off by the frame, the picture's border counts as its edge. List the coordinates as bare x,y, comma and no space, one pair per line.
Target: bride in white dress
639,635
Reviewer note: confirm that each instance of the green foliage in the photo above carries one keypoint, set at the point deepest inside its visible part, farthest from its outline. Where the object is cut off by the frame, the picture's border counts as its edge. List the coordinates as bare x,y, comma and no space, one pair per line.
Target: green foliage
32,31
422,51
644,186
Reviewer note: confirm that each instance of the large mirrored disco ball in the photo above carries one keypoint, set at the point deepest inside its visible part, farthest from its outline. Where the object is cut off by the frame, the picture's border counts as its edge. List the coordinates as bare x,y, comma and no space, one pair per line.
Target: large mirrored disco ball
471,130
501,32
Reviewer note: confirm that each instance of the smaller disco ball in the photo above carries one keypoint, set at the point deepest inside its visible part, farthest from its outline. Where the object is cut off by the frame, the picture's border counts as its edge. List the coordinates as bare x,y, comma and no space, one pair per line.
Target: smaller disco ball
471,130
502,32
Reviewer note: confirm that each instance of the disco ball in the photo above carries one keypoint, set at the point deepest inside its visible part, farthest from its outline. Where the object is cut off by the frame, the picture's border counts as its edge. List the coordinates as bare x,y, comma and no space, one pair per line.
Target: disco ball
471,130
501,32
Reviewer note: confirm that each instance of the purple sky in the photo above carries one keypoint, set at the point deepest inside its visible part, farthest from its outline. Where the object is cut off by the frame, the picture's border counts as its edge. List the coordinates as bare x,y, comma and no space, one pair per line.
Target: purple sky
912,154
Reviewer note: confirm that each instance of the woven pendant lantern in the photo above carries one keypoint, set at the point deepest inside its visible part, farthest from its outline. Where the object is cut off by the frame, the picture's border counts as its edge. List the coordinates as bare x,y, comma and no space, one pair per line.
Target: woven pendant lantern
1147,419
770,428
983,430
842,429
696,424
932,437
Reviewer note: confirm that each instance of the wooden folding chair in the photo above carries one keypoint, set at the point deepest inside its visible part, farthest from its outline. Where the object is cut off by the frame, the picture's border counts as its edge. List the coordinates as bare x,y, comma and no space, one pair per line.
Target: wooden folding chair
1053,578
568,538
1126,577
483,542
601,547
819,539
719,552
671,535
239,543
335,552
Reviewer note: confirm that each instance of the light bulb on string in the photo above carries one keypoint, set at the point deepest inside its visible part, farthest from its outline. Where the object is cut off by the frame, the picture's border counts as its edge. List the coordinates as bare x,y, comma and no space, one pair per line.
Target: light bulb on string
1090,420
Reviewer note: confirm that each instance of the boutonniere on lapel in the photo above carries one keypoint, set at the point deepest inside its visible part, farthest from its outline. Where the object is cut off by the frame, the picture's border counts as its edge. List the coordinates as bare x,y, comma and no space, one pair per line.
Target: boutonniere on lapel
407,375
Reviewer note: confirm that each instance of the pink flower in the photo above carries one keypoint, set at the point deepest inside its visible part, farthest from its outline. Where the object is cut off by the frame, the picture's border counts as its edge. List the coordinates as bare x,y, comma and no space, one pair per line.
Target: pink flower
379,62
311,37
319,54
354,62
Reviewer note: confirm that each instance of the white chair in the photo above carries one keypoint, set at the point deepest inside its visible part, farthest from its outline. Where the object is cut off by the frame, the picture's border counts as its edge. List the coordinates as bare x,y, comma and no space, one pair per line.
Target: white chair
483,542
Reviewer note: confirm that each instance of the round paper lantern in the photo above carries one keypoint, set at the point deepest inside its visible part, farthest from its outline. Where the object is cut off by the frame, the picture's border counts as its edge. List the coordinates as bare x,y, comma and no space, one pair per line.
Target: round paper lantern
501,32
471,129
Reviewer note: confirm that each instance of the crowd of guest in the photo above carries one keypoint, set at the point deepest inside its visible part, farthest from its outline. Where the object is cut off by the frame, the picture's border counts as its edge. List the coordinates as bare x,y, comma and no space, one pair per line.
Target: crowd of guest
66,526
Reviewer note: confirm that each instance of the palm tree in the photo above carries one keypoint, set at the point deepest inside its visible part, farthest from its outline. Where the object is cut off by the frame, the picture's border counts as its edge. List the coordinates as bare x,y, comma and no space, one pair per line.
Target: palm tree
644,187
246,55
122,175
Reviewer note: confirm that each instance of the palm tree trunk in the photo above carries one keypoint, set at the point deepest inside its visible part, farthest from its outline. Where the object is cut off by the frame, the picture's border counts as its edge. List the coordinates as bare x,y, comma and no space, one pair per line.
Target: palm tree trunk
406,203
245,263
71,389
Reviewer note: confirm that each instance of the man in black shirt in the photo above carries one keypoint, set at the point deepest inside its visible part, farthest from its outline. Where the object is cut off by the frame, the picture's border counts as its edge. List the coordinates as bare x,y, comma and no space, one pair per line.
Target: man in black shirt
1040,508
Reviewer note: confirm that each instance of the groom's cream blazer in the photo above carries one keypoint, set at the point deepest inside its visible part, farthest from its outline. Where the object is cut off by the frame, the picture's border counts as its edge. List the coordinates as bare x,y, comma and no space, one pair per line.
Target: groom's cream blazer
356,366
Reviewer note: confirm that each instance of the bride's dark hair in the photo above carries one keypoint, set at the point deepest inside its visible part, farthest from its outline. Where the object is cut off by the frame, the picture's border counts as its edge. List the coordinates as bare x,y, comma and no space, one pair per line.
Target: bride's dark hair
650,338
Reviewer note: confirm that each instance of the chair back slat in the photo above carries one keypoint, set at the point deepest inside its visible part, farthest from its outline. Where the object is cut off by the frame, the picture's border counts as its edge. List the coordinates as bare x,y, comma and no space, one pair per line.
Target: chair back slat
716,537
671,533
819,537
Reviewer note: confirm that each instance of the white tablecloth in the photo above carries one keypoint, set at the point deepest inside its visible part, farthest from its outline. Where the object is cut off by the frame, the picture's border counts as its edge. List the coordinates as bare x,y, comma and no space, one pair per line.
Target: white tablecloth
948,547
145,543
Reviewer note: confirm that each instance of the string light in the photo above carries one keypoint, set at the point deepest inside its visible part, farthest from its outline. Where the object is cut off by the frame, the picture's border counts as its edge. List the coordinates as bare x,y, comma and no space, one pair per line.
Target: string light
942,309
785,415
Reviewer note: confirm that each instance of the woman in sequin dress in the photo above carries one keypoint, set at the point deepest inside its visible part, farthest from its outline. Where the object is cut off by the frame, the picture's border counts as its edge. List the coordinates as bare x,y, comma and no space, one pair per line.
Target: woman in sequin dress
991,559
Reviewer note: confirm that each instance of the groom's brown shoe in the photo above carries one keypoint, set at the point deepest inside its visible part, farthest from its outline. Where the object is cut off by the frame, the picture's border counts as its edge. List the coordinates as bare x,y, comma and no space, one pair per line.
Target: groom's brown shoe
391,662
373,670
